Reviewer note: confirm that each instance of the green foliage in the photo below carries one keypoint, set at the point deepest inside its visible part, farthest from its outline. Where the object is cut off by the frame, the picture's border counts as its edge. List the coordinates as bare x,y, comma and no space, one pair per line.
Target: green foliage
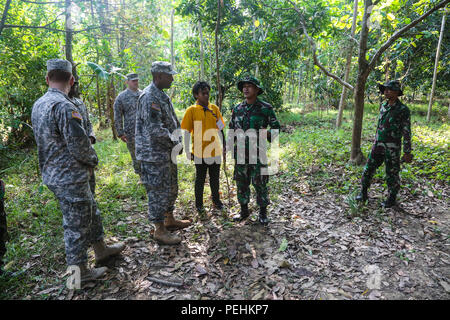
262,38
23,53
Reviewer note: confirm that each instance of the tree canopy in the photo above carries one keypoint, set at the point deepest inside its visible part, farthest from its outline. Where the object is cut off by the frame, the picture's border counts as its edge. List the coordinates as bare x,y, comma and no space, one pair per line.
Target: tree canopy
270,39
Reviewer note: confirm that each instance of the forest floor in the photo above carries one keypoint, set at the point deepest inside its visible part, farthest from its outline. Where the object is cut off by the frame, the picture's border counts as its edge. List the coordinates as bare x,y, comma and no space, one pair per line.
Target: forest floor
311,250
319,245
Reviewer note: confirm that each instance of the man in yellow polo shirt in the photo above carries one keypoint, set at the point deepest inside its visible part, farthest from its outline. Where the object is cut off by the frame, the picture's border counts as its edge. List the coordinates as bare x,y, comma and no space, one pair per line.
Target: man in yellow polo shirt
203,121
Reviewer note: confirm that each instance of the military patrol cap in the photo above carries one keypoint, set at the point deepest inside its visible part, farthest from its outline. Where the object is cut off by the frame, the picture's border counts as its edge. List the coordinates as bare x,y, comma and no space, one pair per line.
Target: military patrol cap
163,67
132,76
59,64
393,85
252,80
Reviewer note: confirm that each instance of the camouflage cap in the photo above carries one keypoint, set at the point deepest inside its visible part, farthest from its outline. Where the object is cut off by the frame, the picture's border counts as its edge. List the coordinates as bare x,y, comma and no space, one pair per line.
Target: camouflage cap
393,85
132,76
252,80
163,67
59,64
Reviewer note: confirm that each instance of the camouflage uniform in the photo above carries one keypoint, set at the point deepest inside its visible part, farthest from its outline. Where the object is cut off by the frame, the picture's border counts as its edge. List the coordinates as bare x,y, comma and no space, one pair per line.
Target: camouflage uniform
393,124
257,116
87,125
155,124
125,120
3,227
67,160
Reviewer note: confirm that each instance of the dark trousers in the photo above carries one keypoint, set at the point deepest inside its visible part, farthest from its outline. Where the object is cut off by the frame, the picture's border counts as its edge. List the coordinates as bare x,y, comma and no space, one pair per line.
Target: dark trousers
378,156
200,177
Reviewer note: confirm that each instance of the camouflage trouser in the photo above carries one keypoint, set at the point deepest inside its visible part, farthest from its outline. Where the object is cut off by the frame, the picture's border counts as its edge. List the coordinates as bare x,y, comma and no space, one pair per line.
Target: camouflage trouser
81,219
132,150
244,174
391,158
161,182
3,229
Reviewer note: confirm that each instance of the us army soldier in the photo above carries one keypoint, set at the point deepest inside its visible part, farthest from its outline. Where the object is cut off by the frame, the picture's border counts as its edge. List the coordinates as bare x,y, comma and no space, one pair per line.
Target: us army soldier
125,115
156,124
66,161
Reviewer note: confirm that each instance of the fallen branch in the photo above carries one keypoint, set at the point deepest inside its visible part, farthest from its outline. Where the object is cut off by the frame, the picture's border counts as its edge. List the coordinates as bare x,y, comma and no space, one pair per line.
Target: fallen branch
166,283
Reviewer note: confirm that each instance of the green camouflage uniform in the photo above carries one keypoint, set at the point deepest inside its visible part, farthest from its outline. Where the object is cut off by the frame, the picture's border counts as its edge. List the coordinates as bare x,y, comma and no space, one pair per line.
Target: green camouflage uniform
393,124
257,116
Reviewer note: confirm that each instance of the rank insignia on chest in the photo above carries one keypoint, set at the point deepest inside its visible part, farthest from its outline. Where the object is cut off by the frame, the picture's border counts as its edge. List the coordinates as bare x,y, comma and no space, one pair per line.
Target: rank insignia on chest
76,115
156,107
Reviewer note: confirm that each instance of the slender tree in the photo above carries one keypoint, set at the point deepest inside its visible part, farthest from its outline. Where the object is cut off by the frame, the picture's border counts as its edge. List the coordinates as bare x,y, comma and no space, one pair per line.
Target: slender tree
69,37
219,87
436,64
347,66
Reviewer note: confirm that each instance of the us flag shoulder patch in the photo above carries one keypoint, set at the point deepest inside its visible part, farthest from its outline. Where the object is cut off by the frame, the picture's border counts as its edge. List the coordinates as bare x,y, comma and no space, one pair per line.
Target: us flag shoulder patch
76,115
156,107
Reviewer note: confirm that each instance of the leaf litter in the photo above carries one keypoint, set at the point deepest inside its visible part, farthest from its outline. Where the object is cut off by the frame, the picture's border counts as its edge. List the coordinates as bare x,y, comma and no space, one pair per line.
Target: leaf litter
312,249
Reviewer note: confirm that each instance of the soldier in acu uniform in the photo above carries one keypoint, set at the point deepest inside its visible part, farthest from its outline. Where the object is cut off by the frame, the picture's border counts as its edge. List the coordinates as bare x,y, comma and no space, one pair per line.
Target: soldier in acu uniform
257,115
156,129
67,161
125,115
393,124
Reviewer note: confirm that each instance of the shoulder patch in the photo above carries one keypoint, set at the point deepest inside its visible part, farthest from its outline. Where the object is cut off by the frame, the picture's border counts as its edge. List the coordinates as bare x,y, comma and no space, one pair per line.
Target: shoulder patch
156,106
76,115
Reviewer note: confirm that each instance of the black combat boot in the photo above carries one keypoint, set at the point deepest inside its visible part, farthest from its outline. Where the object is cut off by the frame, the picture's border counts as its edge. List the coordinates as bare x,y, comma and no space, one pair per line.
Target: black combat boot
243,214
263,216
389,202
362,195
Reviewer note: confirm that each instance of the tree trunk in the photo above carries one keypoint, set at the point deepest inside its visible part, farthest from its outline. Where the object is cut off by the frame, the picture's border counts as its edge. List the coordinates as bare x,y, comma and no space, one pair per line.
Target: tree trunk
347,67
356,156
448,112
171,41
4,15
299,84
219,89
69,36
436,64
387,68
110,101
202,53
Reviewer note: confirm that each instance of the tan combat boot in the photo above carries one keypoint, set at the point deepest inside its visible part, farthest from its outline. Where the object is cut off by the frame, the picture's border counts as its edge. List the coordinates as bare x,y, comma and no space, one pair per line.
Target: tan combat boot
86,274
103,252
172,224
163,236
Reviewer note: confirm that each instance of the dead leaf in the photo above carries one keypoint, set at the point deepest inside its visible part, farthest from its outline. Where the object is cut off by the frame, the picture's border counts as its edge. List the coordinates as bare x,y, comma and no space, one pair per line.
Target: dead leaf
201,270
47,291
445,285
284,264
259,295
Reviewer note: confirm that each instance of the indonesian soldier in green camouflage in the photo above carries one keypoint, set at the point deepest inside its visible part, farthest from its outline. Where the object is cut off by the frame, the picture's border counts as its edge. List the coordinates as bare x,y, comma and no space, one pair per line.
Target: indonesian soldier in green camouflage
67,161
248,120
125,116
393,124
